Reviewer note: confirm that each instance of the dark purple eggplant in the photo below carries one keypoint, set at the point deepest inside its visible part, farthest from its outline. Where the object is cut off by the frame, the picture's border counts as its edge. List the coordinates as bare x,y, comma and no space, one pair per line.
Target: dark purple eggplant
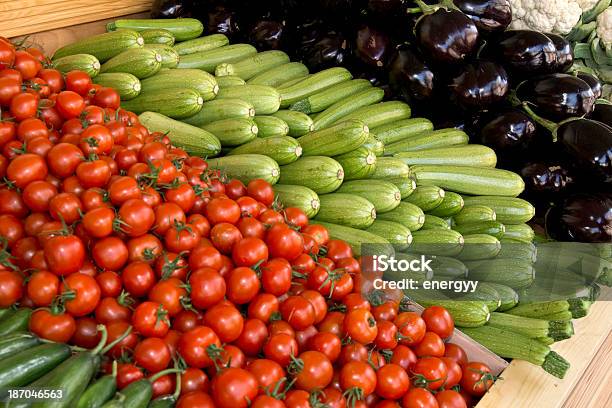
222,20
172,8
583,217
524,53
268,35
480,85
447,36
602,113
508,133
546,178
372,46
593,83
557,96
409,77
488,15
385,8
565,54
330,50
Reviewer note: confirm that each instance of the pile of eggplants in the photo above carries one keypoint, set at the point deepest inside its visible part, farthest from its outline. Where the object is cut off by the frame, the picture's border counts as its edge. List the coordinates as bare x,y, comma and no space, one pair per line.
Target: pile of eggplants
456,64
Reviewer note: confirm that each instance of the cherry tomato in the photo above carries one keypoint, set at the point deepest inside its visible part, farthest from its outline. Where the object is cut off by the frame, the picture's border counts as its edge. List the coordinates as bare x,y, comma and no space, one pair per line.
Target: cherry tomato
79,82
242,285
283,242
456,352
225,320
193,346
84,294
419,398
298,312
357,378
359,325
476,378
392,381
11,288
431,345
430,372
64,254
438,320
411,327
316,371
268,373
152,354
86,333
195,399
234,388
450,399
253,337
55,327
194,379
69,104
150,319
281,347
207,287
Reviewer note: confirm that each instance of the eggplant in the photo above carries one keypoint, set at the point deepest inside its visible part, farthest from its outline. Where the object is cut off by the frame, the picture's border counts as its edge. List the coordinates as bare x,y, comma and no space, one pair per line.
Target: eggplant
565,53
268,35
509,133
385,8
409,77
602,113
172,8
447,36
330,50
557,96
480,85
594,84
582,217
222,20
372,46
546,178
488,15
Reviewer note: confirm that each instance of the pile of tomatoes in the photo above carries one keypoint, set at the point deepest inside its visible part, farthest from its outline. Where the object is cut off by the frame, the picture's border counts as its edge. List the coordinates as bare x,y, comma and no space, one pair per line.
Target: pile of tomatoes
105,223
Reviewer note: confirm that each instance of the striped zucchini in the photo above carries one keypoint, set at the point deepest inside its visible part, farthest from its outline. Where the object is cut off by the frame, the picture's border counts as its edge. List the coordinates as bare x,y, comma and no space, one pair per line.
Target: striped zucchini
201,44
508,296
229,81
181,28
358,164
443,242
299,123
394,232
479,246
344,107
140,62
509,210
448,267
126,84
402,129
313,84
220,109
468,155
514,248
383,194
346,209
356,238
283,149
265,99
292,82
247,167
194,140
169,57
379,114
409,215
78,62
483,293
516,273
298,196
253,65
429,140
522,232
475,213
450,205
336,140
433,222
196,79
276,76
103,46
426,197
209,59
493,228
395,171
470,180
157,36
319,173
233,132
176,103
322,100
375,145
271,126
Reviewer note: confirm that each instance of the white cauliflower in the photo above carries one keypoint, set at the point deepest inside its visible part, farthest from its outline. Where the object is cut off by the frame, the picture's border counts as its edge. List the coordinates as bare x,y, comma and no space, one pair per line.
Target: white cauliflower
604,28
556,16
586,5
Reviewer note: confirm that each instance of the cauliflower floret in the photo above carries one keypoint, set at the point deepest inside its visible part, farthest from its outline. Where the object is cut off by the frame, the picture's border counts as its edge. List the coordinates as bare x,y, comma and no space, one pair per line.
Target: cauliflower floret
604,28
586,5
556,16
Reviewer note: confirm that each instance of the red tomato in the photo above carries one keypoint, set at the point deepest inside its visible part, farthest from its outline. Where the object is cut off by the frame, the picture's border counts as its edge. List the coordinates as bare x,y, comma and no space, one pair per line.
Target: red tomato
268,373
195,399
431,345
79,82
450,399
412,328
430,372
225,320
357,379
392,381
359,325
82,292
283,242
193,346
152,354
234,388
55,327
64,254
150,319
419,398
438,320
298,312
242,285
456,352
316,371
11,288
69,104
476,378
281,347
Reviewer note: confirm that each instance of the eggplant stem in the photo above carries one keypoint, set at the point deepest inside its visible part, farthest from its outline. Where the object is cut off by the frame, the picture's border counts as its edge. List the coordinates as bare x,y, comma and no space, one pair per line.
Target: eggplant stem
425,8
551,126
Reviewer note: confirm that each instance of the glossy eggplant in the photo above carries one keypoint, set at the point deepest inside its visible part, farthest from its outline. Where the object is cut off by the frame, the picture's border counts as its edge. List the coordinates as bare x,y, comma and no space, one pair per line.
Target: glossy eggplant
602,113
565,53
372,46
172,8
447,36
583,217
409,77
508,133
557,96
385,8
222,20
331,50
268,35
480,85
488,15
594,84
546,178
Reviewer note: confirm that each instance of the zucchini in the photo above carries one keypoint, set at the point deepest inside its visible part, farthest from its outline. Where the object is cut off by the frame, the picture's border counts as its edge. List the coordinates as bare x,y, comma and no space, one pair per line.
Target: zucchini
509,210
276,76
209,59
229,81
521,232
201,44
443,242
484,293
509,344
322,100
508,296
313,84
513,248
539,309
402,129
271,126
140,62
319,173
298,196
158,36
532,328
433,222
358,164
375,145
428,140
409,215
78,62
379,114
176,103
395,171
103,46
470,180
201,81
336,140
383,194
126,84
169,57
397,234
247,167
468,155
494,228
516,273
283,149
356,238
292,82
253,65
265,99
181,28
193,140
474,213
426,197
479,246
344,107
346,209
233,132
450,205
448,267
220,109
299,123
465,313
